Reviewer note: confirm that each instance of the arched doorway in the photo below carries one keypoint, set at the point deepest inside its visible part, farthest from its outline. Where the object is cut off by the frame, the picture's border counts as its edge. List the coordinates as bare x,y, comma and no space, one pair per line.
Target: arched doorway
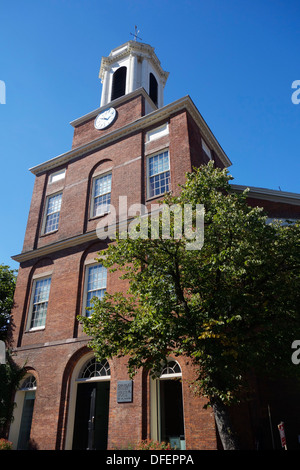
91,406
20,428
167,417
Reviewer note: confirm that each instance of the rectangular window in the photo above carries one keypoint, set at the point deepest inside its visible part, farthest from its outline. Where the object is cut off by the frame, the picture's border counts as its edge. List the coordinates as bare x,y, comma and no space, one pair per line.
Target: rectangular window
206,149
96,278
57,176
52,213
158,174
39,302
157,133
101,195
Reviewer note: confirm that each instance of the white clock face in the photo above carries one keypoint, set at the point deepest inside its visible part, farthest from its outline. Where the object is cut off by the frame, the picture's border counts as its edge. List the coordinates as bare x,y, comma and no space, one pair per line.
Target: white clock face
105,118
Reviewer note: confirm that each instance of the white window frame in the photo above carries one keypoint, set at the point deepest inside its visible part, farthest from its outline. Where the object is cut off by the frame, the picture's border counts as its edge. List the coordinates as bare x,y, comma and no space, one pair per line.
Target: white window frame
93,197
57,176
155,417
89,265
46,213
35,279
157,133
149,196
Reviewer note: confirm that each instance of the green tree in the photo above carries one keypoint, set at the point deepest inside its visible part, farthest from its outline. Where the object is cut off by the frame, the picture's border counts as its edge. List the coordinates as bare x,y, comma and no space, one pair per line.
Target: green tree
232,306
7,289
10,373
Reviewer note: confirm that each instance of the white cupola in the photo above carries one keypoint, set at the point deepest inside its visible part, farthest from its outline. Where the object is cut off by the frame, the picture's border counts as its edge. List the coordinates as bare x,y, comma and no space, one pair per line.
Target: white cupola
129,67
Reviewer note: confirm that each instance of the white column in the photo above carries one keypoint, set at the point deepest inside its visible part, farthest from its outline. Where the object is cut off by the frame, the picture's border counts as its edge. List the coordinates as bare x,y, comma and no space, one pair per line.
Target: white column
133,72
105,89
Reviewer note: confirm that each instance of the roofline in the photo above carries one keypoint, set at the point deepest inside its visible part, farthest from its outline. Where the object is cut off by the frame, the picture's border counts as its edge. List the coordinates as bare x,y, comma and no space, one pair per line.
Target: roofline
145,121
269,194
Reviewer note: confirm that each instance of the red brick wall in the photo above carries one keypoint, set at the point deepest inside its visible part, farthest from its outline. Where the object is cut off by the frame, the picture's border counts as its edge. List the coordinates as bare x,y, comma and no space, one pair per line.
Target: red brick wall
126,112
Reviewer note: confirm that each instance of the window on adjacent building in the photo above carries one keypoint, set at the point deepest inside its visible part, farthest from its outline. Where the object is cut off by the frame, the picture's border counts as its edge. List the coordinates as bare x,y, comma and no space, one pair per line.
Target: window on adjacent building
52,213
95,285
39,302
158,174
101,195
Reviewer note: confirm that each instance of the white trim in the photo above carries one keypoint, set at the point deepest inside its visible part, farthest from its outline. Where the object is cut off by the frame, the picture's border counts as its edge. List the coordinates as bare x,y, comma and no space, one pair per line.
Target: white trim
92,202
157,133
73,396
269,194
165,149
46,210
155,418
41,275
30,310
87,266
14,430
60,175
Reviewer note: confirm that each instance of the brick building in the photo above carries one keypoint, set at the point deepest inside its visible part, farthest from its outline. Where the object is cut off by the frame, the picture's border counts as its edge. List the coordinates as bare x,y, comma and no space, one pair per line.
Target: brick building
135,146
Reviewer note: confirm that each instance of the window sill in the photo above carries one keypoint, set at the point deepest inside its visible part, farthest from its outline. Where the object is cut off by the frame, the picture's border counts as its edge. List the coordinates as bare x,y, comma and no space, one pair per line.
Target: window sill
48,233
32,330
159,196
95,217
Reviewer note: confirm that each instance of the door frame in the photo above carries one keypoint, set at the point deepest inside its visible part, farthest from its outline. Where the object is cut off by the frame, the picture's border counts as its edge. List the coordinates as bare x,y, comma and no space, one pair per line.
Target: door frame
155,404
75,380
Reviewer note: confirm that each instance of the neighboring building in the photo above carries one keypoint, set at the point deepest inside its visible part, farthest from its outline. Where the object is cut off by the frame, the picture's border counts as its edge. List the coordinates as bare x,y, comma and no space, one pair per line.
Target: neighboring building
134,146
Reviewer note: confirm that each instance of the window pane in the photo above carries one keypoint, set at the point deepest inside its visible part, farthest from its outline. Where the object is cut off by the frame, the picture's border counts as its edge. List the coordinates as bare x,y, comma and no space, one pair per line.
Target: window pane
159,174
101,204
53,211
102,185
102,190
40,303
96,284
54,203
159,184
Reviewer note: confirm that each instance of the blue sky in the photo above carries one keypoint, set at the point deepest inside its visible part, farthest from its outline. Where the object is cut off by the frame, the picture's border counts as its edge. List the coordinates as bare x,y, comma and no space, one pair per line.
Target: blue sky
236,59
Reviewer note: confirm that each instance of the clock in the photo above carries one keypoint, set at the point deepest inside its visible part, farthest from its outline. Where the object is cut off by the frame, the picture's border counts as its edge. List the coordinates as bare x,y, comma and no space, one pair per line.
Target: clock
105,118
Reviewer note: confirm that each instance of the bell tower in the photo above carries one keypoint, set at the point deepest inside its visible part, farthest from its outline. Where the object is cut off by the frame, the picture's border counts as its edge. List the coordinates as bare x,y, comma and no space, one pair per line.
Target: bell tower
129,67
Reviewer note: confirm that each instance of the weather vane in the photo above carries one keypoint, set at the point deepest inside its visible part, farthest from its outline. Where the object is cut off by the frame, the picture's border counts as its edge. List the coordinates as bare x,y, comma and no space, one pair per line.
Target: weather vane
136,34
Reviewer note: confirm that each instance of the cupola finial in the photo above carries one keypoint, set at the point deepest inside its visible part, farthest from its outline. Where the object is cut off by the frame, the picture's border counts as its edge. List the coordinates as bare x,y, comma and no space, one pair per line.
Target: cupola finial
136,34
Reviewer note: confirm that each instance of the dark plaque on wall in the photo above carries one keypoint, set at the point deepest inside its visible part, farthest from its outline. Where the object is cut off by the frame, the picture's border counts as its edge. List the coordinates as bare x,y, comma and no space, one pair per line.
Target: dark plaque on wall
124,391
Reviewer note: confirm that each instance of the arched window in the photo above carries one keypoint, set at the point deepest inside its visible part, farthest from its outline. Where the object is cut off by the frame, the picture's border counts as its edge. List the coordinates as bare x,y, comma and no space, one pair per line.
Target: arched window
119,83
171,370
28,384
153,88
94,369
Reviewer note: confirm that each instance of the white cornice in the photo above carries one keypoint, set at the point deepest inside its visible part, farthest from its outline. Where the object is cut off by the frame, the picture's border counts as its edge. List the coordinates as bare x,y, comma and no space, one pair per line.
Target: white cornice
141,123
135,48
110,232
53,247
269,194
